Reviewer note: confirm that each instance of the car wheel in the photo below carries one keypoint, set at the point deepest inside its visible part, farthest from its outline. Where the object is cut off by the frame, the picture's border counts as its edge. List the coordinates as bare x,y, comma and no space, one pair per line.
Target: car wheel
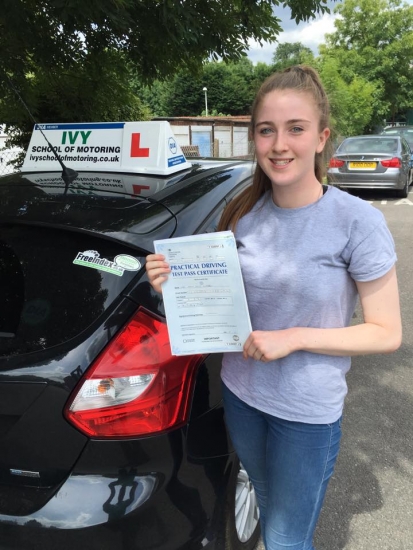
403,193
242,516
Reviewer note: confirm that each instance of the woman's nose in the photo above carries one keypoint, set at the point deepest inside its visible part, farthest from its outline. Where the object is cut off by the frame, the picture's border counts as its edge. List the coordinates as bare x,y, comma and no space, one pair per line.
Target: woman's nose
279,142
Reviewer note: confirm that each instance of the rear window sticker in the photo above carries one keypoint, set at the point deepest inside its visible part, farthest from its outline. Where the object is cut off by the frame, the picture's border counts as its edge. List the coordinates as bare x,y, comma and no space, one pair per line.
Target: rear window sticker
91,258
128,263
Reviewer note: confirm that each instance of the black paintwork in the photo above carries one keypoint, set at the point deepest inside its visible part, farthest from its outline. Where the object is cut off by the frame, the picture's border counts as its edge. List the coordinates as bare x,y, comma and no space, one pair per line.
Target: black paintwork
164,492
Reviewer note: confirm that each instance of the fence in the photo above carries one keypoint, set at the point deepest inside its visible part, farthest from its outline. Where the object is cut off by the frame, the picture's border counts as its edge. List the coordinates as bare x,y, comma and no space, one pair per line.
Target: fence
6,156
393,124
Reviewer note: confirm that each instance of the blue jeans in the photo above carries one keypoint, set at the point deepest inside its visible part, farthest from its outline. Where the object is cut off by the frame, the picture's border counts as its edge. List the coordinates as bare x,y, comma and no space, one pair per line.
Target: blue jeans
289,464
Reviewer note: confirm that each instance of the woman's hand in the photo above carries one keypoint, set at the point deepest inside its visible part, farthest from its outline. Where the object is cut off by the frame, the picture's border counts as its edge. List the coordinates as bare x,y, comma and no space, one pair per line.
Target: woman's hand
157,270
267,345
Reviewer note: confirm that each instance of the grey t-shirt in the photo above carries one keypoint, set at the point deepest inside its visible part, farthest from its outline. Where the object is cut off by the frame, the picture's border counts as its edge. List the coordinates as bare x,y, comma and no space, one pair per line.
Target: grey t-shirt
299,266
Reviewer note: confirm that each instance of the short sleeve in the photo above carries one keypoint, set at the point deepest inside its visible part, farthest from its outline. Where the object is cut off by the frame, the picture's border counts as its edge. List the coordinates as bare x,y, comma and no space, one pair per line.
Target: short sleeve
374,256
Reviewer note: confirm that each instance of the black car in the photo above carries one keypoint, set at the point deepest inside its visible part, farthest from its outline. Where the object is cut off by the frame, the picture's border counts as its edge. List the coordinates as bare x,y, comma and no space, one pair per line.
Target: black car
153,467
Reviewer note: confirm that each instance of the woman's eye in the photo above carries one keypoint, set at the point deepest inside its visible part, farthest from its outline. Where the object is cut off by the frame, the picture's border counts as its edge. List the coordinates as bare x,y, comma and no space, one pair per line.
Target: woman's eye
296,129
265,131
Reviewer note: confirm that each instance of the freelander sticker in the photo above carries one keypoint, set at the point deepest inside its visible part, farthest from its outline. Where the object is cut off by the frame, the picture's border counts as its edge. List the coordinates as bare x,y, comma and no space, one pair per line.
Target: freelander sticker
122,262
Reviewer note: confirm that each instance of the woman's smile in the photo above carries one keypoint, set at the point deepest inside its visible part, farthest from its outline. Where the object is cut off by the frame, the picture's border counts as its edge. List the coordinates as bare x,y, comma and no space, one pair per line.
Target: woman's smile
281,163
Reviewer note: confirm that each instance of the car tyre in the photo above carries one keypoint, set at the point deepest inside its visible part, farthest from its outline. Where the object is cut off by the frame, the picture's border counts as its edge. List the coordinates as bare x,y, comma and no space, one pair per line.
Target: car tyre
403,193
242,527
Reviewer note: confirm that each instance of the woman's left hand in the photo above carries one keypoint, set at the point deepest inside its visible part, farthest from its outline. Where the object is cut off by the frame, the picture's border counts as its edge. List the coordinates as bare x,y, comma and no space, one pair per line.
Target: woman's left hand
267,345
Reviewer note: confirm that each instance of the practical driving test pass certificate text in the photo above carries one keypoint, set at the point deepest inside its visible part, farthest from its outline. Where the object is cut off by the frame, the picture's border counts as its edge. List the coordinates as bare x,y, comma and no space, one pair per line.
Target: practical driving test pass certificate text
204,297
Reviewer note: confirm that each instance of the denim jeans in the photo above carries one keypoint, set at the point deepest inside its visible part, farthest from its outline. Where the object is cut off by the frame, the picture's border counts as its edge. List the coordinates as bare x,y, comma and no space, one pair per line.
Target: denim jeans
289,464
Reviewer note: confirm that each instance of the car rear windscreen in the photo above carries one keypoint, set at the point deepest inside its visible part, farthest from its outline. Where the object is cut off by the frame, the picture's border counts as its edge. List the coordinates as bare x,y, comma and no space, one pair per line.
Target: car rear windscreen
379,146
54,284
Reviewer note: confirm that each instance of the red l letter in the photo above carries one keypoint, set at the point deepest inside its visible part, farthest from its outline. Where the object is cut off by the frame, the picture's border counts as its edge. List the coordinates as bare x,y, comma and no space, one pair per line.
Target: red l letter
138,188
135,149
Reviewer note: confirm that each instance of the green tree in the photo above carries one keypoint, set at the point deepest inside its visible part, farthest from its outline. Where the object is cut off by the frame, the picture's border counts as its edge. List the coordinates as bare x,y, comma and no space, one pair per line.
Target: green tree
153,95
80,93
261,72
231,87
73,60
158,36
291,53
373,42
352,103
184,96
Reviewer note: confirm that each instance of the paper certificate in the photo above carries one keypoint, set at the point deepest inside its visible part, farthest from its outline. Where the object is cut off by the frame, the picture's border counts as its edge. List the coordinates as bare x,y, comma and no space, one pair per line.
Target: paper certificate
204,297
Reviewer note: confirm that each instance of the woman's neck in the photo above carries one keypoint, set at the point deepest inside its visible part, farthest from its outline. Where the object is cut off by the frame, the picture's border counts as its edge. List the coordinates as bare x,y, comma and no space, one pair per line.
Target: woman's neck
288,197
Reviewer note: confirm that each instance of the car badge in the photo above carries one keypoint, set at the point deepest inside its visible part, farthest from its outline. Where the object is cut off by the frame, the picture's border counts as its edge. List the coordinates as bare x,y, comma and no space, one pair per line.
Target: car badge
24,473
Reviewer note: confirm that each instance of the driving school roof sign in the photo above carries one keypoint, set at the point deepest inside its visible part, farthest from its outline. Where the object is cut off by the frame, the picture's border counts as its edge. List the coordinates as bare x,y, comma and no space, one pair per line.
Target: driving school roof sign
138,147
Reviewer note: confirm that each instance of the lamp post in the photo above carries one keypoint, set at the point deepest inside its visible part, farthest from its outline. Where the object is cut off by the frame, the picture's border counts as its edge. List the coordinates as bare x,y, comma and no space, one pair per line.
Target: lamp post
206,100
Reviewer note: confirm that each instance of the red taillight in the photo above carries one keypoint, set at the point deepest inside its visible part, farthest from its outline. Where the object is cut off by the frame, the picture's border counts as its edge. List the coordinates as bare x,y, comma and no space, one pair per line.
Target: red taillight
336,163
391,163
135,386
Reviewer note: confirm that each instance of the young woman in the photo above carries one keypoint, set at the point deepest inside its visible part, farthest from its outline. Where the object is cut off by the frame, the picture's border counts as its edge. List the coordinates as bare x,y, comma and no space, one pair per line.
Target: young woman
307,253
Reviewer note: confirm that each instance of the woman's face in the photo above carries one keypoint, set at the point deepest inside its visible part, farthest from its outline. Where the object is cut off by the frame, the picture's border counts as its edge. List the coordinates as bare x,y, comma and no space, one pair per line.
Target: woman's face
287,137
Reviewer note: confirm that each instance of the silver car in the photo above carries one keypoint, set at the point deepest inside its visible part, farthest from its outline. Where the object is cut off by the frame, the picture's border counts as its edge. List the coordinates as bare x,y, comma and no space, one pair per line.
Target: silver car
371,162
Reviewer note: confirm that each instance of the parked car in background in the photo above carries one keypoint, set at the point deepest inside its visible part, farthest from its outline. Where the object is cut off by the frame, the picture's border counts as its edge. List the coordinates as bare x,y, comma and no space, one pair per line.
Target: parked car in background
407,133
371,162
108,442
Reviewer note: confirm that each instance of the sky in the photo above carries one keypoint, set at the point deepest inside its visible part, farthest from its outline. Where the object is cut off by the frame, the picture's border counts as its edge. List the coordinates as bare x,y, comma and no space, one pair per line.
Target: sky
310,34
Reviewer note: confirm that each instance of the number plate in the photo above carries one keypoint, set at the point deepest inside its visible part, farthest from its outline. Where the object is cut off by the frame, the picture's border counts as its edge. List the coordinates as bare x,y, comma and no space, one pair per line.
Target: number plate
362,165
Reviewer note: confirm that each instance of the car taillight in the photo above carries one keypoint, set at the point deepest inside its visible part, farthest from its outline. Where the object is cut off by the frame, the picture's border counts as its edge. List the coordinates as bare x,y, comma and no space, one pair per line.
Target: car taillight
391,163
336,163
135,386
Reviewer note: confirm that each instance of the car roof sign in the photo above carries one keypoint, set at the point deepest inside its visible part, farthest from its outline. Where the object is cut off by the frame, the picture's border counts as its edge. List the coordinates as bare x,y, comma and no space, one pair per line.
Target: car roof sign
144,147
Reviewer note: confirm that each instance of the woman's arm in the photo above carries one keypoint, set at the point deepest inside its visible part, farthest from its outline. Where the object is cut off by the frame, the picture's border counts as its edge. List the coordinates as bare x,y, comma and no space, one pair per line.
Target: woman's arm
381,331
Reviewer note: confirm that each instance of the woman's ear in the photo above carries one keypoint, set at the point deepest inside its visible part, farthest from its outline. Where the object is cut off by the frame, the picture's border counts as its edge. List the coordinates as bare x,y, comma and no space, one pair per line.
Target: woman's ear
323,137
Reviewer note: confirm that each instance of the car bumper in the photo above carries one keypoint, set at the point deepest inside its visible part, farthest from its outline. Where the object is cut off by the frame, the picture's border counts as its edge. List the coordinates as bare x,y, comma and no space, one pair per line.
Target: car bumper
392,179
170,504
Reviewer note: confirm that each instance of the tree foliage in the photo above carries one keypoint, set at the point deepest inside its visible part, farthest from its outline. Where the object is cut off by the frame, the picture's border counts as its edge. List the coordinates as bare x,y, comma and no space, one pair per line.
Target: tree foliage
73,60
231,88
373,43
133,59
352,106
158,36
76,94
291,53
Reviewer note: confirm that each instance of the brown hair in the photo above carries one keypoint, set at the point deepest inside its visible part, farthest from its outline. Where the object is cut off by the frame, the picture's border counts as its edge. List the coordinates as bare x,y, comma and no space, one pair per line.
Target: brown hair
300,78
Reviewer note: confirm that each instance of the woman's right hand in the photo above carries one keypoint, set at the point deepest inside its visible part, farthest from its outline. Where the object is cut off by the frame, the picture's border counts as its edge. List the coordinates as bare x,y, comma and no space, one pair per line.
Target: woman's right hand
157,270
